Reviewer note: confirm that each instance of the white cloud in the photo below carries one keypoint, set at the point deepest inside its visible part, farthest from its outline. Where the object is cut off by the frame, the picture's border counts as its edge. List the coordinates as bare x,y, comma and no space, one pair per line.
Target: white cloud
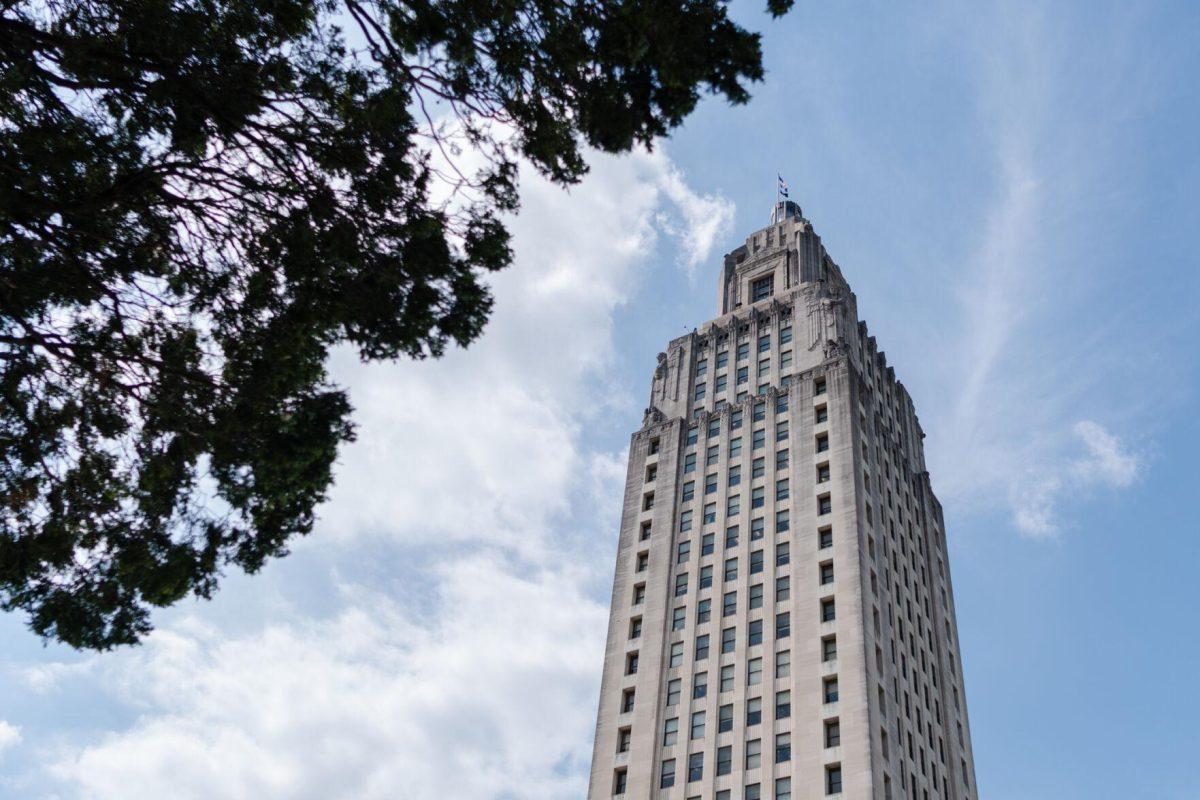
1105,463
482,682
9,735
491,433
492,695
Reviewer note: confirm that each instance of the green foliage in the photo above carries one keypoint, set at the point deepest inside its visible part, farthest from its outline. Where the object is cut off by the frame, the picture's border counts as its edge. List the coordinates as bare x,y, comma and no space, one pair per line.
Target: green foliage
199,198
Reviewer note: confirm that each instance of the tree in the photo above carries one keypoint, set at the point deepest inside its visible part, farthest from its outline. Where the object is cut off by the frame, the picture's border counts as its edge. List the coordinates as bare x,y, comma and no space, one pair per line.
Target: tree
199,198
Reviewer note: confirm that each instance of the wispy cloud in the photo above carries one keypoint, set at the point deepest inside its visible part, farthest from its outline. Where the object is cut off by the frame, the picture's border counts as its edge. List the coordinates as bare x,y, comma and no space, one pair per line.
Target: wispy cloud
1022,378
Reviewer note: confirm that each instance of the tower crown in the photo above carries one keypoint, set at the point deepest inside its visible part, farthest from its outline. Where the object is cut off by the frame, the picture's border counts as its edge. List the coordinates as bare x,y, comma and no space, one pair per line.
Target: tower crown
785,209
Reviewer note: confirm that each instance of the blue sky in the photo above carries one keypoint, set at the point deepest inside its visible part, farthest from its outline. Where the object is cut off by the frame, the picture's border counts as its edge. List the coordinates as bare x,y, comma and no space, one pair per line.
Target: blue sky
1011,190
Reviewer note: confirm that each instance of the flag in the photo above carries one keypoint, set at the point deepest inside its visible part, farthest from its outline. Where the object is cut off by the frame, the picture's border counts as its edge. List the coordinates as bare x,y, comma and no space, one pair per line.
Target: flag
783,187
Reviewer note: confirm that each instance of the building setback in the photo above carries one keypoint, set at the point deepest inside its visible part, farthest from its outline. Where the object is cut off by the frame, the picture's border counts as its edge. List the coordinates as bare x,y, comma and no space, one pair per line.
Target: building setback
782,619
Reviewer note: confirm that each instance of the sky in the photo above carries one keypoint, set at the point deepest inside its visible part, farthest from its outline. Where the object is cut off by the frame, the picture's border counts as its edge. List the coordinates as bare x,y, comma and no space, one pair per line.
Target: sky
1011,190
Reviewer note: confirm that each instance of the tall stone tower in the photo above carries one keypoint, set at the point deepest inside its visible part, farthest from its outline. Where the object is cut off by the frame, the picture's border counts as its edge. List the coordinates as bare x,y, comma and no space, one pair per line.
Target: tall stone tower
782,619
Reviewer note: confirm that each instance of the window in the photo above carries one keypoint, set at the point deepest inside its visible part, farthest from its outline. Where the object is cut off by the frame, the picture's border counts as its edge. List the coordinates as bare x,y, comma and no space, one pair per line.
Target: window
631,663
721,383
706,577
725,718
782,554
783,625
689,489
753,792
761,289
700,685
727,678
824,504
707,543
710,513
833,733
754,711
756,596
668,774
781,460
783,663
698,394
756,562
731,536
783,747
623,738
695,766
733,505
764,366
693,432
820,414
826,573
743,375
785,335
697,725
701,367
829,648
783,521
735,447
783,704
833,779
670,731
783,787
689,463
620,780
725,758
710,484
710,457
785,359
651,473
728,640
729,605
731,569
743,351
704,607
755,632
681,585
823,472
635,627
757,468
781,431
759,439
782,489
735,420
678,618
754,672
627,701
781,401
825,538
645,531
673,688
682,552
639,594
783,588
676,654
828,610
764,343
643,561
648,501
830,690
756,529
722,358
819,386
822,442
735,476
753,753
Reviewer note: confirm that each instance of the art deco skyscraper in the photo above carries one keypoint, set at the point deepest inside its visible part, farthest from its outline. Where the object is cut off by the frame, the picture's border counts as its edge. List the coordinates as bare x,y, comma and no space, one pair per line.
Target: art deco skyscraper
782,619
